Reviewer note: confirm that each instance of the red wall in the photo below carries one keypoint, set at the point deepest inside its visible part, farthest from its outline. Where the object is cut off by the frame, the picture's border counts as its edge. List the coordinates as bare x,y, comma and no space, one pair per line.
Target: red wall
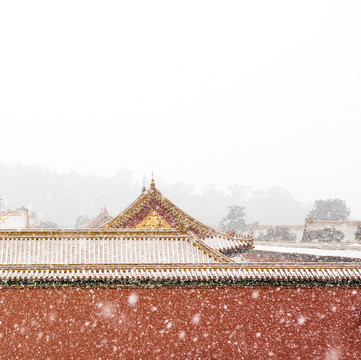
149,323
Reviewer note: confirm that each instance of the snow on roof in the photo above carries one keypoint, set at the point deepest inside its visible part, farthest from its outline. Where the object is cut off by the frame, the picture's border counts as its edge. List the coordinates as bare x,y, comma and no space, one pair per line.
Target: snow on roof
226,273
311,251
104,247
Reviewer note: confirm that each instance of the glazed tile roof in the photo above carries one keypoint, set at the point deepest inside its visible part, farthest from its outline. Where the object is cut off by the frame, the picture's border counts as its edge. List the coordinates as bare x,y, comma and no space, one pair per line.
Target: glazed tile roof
153,257
225,244
231,273
104,247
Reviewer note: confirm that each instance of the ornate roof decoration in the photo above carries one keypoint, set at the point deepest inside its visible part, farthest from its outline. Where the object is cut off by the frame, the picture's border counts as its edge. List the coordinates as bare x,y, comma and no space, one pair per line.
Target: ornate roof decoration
152,205
153,221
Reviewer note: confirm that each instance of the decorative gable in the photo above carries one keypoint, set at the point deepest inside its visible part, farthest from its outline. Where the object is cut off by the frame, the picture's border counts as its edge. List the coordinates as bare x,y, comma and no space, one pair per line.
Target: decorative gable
153,201
153,221
152,210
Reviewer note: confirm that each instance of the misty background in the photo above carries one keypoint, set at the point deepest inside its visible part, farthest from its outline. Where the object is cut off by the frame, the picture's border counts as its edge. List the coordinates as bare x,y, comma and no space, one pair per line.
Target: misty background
61,198
260,99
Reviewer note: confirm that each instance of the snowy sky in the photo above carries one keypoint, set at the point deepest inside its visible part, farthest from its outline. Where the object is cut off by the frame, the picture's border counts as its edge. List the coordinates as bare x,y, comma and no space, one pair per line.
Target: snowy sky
262,93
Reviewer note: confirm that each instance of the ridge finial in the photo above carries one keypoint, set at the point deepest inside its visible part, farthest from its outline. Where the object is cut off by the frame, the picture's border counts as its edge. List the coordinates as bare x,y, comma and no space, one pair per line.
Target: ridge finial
152,183
144,189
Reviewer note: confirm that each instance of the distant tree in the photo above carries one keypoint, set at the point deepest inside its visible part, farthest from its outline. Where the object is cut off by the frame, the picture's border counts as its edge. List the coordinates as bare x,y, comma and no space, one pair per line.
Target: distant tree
273,206
277,233
358,233
325,235
82,221
48,225
234,221
331,210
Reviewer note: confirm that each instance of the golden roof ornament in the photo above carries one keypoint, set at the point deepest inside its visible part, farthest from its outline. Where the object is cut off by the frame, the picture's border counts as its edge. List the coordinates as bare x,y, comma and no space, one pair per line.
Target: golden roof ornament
152,183
153,221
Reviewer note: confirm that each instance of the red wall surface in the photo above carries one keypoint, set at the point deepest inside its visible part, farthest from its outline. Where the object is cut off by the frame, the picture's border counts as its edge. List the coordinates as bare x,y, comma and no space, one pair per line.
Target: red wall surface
207,323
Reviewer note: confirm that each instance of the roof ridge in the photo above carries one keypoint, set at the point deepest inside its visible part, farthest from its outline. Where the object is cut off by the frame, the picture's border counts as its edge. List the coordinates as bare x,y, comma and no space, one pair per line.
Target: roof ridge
211,251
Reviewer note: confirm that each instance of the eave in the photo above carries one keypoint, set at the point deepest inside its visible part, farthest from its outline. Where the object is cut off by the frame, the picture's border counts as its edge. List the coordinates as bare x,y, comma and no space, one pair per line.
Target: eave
230,274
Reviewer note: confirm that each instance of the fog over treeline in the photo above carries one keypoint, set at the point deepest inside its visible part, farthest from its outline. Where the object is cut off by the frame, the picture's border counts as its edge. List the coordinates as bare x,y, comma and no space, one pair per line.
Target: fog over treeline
62,197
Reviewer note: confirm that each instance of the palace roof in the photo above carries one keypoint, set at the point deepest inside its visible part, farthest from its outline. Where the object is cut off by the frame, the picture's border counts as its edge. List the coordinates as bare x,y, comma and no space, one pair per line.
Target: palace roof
304,274
152,210
146,256
145,246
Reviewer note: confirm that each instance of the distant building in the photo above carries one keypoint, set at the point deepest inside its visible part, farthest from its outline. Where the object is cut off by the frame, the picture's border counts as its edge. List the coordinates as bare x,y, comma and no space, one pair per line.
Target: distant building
313,231
330,231
100,220
17,219
278,233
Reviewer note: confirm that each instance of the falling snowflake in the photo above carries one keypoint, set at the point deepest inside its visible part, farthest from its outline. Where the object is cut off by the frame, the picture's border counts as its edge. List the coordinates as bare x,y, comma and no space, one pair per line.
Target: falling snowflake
133,299
301,320
107,310
196,319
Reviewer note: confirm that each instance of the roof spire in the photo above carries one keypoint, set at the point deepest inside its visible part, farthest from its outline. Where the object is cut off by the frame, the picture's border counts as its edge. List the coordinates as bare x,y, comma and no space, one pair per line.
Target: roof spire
144,189
152,183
